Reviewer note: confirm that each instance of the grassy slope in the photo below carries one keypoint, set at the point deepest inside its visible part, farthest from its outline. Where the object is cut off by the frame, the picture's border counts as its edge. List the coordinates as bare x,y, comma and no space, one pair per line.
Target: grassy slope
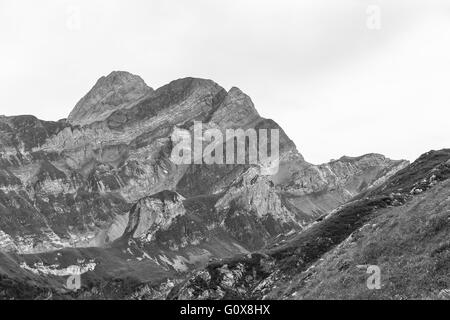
410,244
405,231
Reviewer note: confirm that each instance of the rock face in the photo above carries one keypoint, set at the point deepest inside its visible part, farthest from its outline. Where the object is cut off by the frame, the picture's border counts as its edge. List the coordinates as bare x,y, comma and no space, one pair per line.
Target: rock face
117,90
254,210
64,185
103,179
237,111
318,189
44,204
250,213
154,213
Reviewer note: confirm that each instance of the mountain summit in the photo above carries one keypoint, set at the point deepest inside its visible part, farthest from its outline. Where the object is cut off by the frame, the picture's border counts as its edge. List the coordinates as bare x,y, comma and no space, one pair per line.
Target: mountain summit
116,90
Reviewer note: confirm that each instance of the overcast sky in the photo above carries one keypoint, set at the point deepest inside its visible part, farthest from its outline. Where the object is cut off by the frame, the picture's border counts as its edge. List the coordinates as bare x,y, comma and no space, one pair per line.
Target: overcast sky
344,77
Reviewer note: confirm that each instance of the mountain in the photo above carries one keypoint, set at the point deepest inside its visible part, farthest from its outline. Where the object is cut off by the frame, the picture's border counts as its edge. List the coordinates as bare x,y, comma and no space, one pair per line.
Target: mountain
99,190
402,227
116,91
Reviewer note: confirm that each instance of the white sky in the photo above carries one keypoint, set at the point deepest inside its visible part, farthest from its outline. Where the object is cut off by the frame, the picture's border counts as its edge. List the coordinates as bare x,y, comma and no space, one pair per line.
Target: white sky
335,86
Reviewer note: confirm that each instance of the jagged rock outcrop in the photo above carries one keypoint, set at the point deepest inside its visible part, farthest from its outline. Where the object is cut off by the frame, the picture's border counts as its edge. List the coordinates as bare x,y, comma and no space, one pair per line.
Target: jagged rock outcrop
236,111
153,213
350,173
254,211
254,193
117,90
232,278
44,204
249,212
318,189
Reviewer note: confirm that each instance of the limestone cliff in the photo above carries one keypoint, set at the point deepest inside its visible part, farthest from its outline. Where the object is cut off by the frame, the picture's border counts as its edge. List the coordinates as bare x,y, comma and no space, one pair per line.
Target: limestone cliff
117,90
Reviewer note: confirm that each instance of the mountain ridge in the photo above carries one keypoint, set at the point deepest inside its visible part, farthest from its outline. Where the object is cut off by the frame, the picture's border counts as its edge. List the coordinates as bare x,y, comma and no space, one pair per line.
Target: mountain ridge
96,187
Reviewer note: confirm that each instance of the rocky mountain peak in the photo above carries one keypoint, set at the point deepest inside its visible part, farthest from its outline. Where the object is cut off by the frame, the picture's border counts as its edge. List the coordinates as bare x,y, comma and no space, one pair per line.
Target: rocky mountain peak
237,110
112,92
